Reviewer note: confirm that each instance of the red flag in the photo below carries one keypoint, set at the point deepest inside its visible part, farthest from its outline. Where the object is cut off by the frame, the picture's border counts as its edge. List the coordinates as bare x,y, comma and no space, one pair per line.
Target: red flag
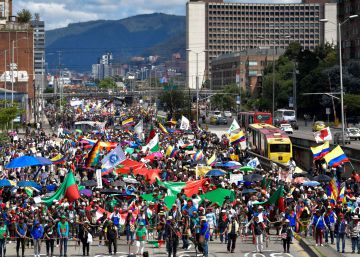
151,135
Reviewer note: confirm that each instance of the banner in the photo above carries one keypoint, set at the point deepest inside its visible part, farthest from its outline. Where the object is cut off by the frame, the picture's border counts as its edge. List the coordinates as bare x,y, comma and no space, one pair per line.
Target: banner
235,178
98,178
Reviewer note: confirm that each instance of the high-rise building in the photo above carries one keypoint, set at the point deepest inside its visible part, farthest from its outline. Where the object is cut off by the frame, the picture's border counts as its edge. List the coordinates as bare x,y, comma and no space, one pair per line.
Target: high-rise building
350,31
103,68
39,46
5,11
215,27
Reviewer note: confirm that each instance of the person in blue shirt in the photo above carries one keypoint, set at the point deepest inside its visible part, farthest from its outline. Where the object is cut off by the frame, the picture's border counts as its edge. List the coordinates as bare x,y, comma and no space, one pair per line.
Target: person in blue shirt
115,218
204,236
63,232
330,220
20,233
37,233
319,226
340,231
189,207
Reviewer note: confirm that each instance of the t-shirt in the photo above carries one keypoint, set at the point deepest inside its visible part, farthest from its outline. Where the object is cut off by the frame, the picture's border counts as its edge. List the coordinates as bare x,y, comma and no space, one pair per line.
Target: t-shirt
3,230
141,234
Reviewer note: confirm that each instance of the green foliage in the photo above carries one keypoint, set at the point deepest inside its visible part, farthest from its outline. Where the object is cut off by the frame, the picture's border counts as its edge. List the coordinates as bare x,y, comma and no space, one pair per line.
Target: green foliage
226,100
49,90
7,114
352,103
174,101
107,83
24,16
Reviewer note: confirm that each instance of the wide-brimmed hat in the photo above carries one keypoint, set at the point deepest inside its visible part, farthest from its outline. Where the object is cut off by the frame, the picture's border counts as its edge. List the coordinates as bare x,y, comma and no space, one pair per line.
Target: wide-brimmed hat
355,217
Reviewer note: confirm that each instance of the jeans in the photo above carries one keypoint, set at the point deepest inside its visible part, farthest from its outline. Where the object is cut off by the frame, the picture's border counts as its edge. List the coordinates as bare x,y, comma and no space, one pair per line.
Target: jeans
129,235
185,240
37,246
318,235
63,246
20,241
231,242
112,242
259,239
355,242
286,244
205,248
327,232
223,236
2,247
50,247
171,246
338,238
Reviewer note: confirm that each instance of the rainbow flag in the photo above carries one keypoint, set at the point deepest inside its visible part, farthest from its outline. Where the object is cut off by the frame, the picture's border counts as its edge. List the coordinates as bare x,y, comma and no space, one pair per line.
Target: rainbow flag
128,122
237,138
171,151
336,157
163,129
334,188
198,156
320,151
93,156
341,196
58,159
212,160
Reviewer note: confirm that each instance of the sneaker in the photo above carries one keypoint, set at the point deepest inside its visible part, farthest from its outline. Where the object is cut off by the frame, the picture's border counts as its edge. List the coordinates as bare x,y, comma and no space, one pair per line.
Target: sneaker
321,245
316,244
188,248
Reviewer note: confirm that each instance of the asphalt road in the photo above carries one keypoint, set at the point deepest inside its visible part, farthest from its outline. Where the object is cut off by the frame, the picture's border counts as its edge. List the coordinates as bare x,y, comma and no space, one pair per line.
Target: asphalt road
216,249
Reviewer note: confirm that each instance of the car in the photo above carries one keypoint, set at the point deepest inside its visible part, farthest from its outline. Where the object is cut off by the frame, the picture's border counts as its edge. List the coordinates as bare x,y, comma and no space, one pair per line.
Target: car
338,138
287,128
318,125
227,114
217,113
354,133
222,121
213,120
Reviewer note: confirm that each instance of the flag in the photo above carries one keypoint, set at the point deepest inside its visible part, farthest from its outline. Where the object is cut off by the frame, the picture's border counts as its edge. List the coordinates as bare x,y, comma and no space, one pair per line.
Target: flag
153,145
163,129
234,126
128,122
336,157
59,159
114,158
320,151
277,199
156,243
212,160
68,189
185,123
323,135
171,151
201,171
341,196
139,129
218,196
198,156
334,188
190,187
253,163
151,134
237,138
93,156
185,145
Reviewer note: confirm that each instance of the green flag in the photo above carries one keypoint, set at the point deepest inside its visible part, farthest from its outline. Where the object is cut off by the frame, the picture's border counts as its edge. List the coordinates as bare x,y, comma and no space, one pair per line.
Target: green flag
218,196
173,187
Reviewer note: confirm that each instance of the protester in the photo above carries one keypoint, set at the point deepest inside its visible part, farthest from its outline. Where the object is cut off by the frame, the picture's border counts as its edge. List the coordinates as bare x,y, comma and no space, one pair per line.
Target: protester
172,236
341,230
49,236
111,236
355,234
232,232
286,233
21,230
37,233
63,232
141,237
3,233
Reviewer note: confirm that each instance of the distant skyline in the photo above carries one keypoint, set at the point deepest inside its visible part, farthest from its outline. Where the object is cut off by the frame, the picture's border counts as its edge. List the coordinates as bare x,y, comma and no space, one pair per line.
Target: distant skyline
58,14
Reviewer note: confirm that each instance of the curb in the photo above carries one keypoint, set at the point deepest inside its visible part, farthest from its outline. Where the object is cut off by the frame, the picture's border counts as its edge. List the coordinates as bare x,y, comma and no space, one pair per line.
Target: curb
315,251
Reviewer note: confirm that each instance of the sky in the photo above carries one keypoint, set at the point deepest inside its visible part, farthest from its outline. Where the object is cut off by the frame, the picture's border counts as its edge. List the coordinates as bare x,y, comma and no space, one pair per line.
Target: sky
59,13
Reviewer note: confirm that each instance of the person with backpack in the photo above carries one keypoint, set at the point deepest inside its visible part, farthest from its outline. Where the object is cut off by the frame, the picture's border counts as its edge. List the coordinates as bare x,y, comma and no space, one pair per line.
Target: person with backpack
319,226
258,228
286,233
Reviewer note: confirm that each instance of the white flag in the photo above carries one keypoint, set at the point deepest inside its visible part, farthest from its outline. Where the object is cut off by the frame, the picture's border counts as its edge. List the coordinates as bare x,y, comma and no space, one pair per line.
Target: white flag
234,126
139,129
185,123
253,163
114,158
323,135
153,145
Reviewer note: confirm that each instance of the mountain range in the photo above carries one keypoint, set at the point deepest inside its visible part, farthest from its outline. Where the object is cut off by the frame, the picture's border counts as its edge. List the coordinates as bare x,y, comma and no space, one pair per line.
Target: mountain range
79,45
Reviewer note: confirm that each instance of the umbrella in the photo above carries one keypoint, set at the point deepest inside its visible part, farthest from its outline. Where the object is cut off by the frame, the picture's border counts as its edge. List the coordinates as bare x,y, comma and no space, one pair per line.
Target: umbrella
109,191
322,178
5,183
301,180
247,168
253,177
86,192
215,173
131,181
232,165
311,183
89,183
248,191
29,184
27,161
118,183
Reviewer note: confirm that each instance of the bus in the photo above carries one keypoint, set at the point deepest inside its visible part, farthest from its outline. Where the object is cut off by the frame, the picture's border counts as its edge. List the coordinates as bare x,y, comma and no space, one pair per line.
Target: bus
247,118
284,116
270,142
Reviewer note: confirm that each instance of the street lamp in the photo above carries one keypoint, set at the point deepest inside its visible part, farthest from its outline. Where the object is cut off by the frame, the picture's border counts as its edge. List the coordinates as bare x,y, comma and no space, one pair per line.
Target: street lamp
339,24
197,82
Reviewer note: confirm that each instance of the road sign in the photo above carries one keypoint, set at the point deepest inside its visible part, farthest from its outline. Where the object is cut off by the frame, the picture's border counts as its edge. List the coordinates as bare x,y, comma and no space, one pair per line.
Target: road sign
327,111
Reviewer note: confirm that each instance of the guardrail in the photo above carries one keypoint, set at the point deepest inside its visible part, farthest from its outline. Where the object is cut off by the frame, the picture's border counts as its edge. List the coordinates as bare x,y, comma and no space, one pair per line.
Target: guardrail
266,162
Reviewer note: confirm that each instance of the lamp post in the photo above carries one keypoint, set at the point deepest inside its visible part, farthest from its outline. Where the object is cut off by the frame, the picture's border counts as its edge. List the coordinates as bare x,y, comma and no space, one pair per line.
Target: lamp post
197,82
339,24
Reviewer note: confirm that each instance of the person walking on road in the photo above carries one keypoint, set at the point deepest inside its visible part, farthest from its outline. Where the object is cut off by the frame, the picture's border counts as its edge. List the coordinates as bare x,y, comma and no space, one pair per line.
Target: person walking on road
111,236
319,226
37,233
141,237
355,234
63,232
232,231
172,237
3,234
49,236
20,231
286,233
85,237
257,231
204,236
340,231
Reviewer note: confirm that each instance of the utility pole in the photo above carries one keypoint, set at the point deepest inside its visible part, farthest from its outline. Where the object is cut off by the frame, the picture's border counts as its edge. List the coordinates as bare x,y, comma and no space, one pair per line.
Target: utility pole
273,83
59,81
294,89
5,76
12,72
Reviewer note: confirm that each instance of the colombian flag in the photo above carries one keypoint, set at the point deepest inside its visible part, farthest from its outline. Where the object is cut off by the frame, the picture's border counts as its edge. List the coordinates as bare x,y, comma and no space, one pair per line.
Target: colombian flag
237,138
163,129
212,160
320,151
58,159
336,157
93,156
127,122
198,156
171,151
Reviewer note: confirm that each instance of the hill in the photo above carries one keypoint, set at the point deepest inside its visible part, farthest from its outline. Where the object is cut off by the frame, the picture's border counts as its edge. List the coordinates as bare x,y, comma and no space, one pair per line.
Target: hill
81,44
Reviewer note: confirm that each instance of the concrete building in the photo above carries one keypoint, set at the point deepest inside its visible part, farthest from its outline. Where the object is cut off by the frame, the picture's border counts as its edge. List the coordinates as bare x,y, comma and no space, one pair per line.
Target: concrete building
39,46
252,62
215,27
5,11
350,31
103,68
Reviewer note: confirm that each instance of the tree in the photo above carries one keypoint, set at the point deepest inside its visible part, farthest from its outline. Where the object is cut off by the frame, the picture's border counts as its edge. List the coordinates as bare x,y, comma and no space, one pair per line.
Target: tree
226,100
24,16
7,114
173,100
352,103
107,83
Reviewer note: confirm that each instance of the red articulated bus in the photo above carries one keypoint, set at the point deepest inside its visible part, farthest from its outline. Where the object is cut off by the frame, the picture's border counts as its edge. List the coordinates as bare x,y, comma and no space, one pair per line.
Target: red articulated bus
247,118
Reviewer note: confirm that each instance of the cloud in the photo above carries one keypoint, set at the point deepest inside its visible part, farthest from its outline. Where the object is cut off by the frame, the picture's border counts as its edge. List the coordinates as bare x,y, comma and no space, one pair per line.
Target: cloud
58,13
